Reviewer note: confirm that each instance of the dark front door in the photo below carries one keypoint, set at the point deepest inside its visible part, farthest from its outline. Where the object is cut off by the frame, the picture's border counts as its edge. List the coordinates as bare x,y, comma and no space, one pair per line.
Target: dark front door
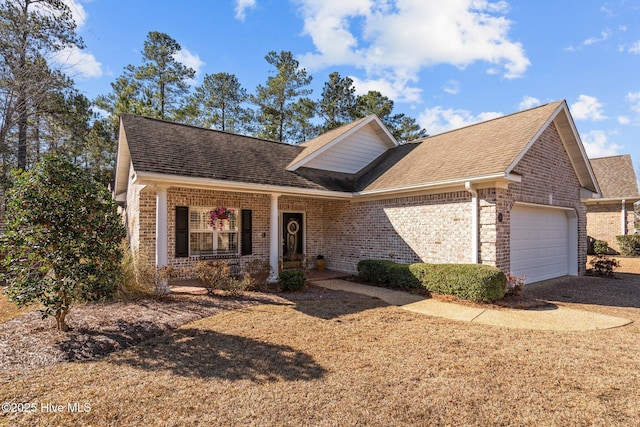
292,238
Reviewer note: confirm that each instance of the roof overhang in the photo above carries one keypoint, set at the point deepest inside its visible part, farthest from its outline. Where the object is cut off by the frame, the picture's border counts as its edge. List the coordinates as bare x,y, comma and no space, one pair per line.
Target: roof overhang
572,144
123,165
164,180
499,180
597,201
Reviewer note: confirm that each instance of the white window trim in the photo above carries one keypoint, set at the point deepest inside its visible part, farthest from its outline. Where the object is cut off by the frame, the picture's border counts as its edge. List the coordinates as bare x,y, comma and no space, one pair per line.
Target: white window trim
214,233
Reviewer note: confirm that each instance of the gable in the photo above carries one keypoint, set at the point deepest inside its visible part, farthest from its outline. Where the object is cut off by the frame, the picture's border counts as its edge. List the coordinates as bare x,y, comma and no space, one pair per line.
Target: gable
347,149
352,154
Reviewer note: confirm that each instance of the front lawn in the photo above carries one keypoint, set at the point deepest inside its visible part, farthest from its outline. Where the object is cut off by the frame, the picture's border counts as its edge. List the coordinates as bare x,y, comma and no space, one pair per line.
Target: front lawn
323,357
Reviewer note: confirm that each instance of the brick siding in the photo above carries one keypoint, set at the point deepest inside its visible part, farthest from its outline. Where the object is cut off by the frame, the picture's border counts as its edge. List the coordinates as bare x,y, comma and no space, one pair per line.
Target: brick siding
604,222
430,228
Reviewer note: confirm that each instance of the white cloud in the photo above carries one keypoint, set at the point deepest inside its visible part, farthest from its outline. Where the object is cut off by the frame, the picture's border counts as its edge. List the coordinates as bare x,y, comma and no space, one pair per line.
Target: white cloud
398,90
593,40
587,108
596,144
242,6
395,39
189,59
624,120
78,12
635,48
437,120
452,87
528,102
77,63
634,99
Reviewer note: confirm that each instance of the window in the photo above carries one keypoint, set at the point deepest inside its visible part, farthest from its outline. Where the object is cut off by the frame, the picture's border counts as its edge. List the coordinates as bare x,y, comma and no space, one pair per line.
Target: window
207,240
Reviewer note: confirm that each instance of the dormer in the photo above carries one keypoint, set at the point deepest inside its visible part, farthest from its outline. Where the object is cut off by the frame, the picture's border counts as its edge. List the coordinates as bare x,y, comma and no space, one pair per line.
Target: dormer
347,149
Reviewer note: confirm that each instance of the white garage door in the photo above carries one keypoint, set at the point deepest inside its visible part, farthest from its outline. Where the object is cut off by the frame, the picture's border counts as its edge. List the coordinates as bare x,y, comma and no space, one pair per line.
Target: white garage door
539,243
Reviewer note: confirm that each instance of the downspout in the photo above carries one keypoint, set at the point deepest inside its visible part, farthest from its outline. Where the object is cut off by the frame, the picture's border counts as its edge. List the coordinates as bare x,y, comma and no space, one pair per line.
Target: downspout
624,217
475,229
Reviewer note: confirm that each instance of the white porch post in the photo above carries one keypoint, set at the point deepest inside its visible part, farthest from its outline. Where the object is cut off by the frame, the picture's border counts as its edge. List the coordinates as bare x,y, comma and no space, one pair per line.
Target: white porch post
161,235
274,238
475,229
624,217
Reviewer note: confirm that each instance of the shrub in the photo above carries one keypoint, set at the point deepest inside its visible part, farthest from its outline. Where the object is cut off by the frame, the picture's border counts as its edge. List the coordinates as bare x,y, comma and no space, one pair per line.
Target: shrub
259,271
468,281
216,275
374,271
515,285
474,282
600,247
603,265
629,244
291,280
62,241
138,278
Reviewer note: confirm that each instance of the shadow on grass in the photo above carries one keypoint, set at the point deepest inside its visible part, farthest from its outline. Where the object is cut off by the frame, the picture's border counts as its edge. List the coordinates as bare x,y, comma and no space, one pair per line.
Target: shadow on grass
621,291
209,354
332,309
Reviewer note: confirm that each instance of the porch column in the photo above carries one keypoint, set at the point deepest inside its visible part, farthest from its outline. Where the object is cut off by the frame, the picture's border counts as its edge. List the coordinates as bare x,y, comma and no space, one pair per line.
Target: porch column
161,235
624,217
274,237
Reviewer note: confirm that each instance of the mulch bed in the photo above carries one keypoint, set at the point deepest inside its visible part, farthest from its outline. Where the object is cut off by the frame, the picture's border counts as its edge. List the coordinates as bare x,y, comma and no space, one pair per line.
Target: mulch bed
98,329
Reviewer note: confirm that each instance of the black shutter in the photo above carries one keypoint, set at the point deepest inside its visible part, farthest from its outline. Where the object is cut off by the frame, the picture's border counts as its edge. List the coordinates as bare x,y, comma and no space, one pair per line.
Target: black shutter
182,231
247,233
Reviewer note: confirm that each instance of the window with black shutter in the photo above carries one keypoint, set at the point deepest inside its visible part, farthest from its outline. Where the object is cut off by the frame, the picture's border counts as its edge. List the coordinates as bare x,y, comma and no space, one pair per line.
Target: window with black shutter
247,232
182,231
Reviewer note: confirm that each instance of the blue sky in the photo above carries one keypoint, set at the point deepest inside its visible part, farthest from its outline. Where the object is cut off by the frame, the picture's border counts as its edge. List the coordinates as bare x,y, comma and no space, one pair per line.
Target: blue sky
446,63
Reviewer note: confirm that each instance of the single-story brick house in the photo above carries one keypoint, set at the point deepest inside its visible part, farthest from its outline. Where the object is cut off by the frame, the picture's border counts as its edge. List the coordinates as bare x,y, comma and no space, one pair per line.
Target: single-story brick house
506,192
613,214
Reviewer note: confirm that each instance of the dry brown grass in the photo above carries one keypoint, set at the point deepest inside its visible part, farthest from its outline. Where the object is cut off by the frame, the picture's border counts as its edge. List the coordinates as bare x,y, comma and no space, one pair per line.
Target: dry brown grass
326,358
9,310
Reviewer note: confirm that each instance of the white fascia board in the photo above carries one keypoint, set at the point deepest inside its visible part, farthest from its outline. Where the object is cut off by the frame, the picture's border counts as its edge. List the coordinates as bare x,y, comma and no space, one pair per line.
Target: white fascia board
337,140
123,162
595,201
493,179
242,187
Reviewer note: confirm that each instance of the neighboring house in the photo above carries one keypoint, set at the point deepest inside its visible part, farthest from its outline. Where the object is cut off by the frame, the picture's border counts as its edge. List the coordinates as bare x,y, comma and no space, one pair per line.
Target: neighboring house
613,214
506,192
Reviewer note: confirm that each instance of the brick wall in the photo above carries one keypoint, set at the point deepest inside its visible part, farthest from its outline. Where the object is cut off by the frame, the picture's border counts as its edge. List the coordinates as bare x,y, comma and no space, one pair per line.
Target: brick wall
429,228
604,222
548,178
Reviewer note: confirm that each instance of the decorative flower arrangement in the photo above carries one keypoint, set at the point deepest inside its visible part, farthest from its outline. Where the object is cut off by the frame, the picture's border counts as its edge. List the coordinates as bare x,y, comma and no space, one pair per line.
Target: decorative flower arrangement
219,214
515,284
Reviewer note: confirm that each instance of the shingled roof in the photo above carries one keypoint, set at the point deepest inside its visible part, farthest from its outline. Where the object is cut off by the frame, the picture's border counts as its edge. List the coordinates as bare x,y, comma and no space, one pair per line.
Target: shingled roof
487,150
616,177
161,147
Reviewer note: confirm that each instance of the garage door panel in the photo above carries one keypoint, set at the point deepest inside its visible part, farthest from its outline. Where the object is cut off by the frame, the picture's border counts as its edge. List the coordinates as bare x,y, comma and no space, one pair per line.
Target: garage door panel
539,243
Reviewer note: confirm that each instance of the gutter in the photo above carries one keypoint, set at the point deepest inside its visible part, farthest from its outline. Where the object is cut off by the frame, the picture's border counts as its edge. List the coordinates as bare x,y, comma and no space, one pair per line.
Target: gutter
475,229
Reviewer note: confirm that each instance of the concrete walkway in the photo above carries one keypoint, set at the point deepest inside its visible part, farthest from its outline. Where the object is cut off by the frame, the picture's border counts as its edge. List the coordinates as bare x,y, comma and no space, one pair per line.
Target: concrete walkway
557,319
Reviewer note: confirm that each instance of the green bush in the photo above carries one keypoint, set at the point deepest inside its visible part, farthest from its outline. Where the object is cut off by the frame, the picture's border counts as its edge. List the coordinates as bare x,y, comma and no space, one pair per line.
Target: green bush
600,247
467,281
374,270
474,282
629,244
291,280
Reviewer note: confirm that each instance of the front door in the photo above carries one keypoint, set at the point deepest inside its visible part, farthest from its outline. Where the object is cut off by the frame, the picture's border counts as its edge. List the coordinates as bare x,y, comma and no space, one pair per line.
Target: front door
292,240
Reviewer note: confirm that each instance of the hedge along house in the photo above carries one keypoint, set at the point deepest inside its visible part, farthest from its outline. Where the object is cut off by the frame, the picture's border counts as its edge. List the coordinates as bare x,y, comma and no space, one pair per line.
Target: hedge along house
613,214
506,192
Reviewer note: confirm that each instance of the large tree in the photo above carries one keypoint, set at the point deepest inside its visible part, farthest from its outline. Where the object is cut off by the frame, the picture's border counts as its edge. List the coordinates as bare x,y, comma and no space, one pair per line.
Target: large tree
219,103
30,31
62,242
163,78
338,104
403,128
275,100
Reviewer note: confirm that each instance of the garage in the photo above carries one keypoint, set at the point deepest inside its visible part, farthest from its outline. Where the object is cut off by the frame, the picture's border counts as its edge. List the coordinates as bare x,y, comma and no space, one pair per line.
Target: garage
543,242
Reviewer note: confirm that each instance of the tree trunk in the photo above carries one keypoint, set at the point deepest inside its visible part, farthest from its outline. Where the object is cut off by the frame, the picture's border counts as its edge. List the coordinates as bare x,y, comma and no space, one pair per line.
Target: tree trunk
60,317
